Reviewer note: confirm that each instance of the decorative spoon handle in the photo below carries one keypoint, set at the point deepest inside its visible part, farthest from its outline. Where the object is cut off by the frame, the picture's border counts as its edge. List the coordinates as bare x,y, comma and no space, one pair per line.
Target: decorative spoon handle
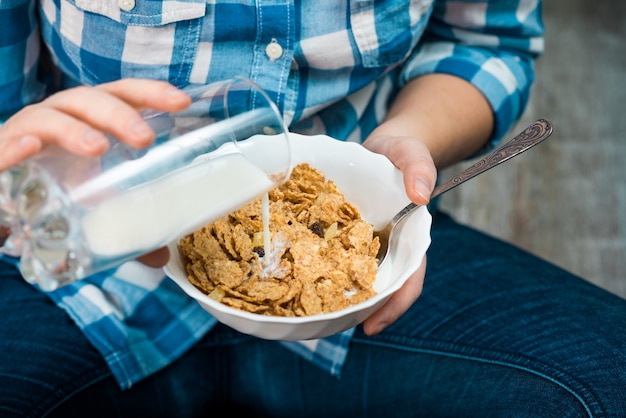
528,138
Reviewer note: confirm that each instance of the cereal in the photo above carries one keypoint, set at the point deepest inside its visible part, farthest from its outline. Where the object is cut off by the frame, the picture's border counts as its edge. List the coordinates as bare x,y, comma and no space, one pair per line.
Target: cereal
322,257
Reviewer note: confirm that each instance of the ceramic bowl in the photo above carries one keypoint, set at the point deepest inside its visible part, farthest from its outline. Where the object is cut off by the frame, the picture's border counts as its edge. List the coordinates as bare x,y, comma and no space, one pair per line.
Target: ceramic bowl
371,183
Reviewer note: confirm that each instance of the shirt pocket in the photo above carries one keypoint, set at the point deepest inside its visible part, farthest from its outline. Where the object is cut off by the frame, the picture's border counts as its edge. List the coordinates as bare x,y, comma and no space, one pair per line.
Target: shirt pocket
105,40
144,12
385,32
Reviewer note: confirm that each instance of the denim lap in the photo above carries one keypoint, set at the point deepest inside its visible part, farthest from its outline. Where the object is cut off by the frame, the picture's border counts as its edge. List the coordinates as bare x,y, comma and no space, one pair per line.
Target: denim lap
496,332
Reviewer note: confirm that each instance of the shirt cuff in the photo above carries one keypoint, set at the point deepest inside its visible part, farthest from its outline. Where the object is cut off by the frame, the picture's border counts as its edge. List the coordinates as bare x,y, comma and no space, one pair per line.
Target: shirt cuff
504,79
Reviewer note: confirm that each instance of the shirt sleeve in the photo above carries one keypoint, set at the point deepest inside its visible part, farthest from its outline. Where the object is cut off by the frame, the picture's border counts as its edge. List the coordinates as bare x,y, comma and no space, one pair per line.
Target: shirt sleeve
19,54
491,44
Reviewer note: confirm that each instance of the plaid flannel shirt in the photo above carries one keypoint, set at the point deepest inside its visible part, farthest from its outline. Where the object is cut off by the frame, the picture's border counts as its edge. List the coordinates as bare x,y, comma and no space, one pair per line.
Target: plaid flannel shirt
331,66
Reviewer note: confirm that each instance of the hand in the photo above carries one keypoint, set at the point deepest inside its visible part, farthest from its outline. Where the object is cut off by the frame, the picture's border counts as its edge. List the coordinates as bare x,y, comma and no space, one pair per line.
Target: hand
75,119
398,303
155,259
414,159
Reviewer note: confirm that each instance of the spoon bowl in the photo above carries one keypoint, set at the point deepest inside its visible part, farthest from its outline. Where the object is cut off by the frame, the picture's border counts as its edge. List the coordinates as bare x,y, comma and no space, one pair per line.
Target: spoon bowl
528,138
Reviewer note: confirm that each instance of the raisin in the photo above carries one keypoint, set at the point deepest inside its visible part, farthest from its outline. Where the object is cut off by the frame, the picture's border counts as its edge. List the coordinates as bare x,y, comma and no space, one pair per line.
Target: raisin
260,251
317,229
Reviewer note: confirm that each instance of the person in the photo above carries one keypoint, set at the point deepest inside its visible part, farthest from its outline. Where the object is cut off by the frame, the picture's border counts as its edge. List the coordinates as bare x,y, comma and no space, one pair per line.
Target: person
481,329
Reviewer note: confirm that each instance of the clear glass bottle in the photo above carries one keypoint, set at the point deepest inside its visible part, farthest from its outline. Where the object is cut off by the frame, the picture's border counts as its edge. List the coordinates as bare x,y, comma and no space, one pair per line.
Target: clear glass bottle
69,216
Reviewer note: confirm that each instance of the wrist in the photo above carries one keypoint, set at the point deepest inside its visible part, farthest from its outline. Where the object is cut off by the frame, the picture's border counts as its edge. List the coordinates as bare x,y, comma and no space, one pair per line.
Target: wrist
448,114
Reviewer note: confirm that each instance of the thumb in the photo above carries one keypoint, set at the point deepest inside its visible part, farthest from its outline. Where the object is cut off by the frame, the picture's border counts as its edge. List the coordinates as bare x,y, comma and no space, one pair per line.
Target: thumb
420,173
413,158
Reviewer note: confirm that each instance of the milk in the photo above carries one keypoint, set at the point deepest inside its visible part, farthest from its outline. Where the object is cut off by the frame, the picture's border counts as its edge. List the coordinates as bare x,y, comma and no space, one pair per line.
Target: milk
265,217
153,214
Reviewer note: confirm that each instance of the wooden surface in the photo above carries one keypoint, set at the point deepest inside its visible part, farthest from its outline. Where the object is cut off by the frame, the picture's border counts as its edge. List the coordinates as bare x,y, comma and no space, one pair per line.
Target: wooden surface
565,200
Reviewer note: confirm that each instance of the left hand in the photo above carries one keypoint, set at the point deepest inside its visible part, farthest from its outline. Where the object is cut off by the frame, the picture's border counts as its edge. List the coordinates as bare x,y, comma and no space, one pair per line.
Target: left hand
155,259
413,158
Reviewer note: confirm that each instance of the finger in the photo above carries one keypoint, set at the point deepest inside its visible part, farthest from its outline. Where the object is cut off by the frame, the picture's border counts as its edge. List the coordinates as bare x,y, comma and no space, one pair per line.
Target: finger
420,176
413,158
114,107
104,112
73,118
54,127
157,258
15,150
148,94
397,304
418,168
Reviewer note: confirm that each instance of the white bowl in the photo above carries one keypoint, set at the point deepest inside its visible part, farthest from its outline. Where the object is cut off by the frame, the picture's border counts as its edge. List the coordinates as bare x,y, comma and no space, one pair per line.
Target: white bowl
371,183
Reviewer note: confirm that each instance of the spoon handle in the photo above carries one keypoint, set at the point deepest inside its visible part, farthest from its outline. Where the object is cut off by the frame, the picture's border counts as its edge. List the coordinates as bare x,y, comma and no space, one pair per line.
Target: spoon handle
528,138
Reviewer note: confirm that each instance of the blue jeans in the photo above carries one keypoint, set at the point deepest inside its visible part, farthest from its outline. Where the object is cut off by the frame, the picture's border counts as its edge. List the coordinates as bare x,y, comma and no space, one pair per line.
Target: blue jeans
496,333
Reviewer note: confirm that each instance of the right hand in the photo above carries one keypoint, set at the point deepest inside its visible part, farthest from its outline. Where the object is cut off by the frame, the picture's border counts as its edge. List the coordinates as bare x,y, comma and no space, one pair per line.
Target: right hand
77,118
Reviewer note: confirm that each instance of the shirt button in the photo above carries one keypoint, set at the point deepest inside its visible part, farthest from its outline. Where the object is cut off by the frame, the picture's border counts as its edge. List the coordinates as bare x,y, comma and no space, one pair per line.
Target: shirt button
127,5
273,49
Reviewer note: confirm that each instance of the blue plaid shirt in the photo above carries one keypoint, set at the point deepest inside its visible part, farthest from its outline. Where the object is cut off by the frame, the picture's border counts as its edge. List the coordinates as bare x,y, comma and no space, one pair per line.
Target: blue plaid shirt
331,66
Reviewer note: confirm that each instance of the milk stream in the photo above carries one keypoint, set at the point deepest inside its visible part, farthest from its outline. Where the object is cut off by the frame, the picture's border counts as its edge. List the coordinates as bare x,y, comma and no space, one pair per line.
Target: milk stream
265,217
273,246
156,213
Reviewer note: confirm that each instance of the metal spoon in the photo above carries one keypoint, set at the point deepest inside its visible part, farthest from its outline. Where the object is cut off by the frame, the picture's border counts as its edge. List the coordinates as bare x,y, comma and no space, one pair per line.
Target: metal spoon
531,136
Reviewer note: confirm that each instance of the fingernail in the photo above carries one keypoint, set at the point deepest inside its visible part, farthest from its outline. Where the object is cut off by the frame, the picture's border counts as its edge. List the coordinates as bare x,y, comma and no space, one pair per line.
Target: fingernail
140,128
27,140
174,92
93,139
423,188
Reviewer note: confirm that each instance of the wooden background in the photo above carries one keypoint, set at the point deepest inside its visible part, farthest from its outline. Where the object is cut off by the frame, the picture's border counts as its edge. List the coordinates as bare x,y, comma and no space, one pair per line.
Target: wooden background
565,200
